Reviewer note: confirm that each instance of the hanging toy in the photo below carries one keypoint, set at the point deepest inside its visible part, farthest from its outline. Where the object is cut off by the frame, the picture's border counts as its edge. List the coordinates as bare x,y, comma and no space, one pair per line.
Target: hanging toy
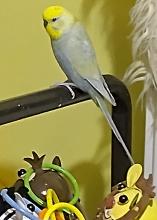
55,208
39,188
52,198
63,205
21,208
130,200
49,176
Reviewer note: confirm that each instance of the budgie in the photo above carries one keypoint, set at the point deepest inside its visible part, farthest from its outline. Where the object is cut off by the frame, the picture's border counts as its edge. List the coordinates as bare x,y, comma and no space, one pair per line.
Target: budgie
75,54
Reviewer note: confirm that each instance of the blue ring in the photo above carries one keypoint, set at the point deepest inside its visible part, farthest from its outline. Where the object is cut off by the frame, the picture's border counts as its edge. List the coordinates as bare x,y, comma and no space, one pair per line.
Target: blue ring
13,204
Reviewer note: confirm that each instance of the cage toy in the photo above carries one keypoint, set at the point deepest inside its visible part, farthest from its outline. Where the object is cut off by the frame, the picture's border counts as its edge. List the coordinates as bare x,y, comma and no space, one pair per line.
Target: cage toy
27,198
131,199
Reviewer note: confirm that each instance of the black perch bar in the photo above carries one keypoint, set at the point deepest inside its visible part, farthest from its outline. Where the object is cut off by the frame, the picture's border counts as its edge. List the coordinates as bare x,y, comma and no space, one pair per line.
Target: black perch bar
53,98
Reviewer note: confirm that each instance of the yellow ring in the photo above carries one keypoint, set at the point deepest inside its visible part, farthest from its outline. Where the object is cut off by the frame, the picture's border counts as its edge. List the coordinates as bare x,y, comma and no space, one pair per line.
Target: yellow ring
52,196
64,205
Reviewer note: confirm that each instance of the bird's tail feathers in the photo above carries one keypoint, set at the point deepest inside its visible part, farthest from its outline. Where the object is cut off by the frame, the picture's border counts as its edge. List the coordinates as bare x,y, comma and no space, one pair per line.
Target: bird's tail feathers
109,92
102,88
103,107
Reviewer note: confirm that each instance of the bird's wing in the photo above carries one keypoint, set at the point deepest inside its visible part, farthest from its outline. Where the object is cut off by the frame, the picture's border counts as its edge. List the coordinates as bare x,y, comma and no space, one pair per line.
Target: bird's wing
103,90
80,52
81,56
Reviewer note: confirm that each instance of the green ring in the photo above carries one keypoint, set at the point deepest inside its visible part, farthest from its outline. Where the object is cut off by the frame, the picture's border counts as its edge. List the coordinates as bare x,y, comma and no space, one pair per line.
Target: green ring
59,169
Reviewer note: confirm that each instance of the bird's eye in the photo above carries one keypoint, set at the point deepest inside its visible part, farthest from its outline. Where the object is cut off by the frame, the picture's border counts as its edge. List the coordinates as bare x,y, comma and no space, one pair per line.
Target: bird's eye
121,186
31,207
21,172
123,199
54,19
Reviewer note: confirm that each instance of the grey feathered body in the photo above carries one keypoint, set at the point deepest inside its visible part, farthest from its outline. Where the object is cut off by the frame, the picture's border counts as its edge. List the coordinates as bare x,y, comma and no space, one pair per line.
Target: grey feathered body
76,57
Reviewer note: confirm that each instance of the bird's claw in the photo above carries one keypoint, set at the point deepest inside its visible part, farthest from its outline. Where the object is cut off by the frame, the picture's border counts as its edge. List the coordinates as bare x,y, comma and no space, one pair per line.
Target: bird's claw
68,86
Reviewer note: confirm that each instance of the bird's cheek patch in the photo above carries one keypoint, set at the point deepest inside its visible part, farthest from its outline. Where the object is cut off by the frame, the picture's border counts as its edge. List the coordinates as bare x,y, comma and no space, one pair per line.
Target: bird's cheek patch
54,33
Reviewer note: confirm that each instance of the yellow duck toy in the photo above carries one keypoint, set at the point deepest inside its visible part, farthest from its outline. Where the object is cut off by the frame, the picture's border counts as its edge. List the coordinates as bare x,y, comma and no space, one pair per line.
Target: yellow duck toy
130,200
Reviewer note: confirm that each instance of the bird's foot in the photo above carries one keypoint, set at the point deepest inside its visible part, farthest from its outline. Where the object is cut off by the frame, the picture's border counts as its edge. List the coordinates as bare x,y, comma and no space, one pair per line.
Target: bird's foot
68,85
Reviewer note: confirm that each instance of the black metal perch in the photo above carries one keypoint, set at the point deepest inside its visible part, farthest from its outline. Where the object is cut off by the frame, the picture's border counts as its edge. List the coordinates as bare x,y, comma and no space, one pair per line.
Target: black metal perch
53,98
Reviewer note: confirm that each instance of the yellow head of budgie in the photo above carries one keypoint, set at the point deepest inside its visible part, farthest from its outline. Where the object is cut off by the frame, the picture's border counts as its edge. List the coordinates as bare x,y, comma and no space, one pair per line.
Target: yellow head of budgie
57,20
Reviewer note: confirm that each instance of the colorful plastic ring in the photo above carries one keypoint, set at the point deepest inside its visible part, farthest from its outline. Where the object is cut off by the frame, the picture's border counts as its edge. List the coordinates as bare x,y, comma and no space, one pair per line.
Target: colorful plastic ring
62,205
51,197
59,169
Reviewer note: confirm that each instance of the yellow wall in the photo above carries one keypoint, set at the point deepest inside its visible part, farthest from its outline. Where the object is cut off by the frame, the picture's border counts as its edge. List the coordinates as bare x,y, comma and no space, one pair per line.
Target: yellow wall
79,134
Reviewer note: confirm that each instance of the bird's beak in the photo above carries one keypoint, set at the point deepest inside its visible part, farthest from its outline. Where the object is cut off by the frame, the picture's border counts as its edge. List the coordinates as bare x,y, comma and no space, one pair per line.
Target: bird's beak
45,23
